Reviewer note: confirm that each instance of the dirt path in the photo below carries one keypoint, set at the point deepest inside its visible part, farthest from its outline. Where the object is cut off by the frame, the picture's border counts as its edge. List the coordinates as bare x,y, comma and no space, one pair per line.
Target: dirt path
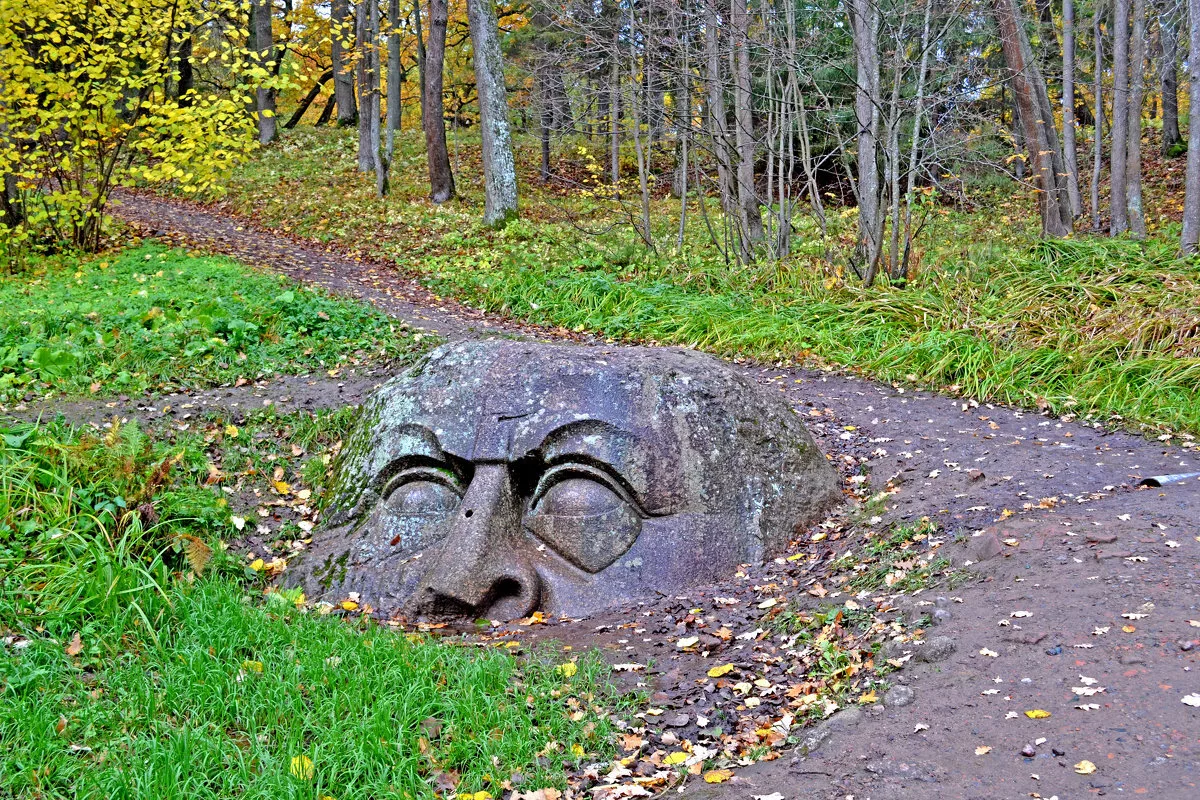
1047,509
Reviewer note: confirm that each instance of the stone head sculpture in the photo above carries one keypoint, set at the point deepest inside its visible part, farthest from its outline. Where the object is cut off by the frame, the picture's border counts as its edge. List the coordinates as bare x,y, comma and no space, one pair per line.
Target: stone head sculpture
498,478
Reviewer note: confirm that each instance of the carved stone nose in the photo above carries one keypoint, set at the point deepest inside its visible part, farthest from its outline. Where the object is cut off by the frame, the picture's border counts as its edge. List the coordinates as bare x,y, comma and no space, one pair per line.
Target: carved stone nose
479,570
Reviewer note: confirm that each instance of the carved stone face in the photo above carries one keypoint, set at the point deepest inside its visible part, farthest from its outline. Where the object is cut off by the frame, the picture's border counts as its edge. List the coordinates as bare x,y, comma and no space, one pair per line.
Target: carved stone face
498,478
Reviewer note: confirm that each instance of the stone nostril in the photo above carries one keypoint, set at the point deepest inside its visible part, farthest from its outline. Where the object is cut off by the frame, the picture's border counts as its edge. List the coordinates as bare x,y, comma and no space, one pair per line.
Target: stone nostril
469,512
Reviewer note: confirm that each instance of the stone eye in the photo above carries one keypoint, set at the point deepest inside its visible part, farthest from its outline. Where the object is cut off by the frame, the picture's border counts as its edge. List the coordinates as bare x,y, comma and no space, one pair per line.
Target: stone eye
585,521
422,498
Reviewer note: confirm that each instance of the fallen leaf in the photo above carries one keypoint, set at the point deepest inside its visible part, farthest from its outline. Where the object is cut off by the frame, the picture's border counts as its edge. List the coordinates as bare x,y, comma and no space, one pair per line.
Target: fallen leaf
348,605
1128,628
1037,713
1192,700
1085,767
252,666
257,565
231,431
772,796
302,767
920,726
238,522
568,669
1089,707
868,698
983,750
1100,631
768,603
989,653
688,641
75,646
718,775
720,670
675,758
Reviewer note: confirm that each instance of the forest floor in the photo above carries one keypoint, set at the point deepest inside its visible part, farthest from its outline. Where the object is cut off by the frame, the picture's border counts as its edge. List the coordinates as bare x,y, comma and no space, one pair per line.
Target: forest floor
1039,576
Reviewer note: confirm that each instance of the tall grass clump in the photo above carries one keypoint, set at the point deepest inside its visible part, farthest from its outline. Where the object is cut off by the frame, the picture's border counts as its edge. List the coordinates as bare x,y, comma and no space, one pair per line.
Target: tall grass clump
93,525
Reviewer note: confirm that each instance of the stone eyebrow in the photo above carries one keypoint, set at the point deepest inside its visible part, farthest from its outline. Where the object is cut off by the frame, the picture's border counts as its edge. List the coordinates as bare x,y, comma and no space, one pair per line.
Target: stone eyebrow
600,443
402,444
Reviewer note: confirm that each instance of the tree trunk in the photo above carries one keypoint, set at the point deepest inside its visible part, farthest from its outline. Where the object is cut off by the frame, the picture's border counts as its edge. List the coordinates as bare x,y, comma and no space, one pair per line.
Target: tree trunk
718,129
1168,40
312,95
394,79
381,163
362,38
1118,208
422,56
614,109
749,215
341,38
261,11
1098,113
865,23
1133,150
441,178
1191,203
1036,120
1070,154
187,73
915,141
499,168
327,112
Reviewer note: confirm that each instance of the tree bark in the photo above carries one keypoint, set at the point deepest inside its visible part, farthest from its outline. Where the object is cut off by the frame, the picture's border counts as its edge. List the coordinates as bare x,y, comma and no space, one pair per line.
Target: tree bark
1168,40
441,178
422,56
394,79
749,215
1098,113
1118,209
264,103
340,38
312,95
1133,150
865,24
381,162
187,73
1036,119
1070,154
718,129
1191,203
499,168
327,112
362,37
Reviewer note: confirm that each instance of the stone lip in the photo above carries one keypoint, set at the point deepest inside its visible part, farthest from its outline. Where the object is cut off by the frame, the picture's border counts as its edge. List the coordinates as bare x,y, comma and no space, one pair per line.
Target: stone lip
497,477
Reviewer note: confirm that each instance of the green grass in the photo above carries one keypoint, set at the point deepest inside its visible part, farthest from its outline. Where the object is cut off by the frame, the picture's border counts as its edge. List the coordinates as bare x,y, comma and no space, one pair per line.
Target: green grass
149,318
221,704
125,674
1089,326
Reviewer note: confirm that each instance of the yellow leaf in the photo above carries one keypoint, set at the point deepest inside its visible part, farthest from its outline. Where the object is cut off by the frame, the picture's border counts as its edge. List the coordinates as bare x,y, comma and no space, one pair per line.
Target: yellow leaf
577,750
475,796
253,666
568,669
1037,713
282,487
718,775
257,565
868,698
231,431
348,605
718,671
302,767
1085,767
675,758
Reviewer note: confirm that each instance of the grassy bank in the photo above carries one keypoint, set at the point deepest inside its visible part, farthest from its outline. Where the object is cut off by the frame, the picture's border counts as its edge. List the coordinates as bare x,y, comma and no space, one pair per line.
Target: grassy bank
140,658
1089,326
152,318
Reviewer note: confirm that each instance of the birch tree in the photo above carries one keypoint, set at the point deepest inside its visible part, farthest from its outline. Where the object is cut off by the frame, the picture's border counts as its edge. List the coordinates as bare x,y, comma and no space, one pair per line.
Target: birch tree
1191,203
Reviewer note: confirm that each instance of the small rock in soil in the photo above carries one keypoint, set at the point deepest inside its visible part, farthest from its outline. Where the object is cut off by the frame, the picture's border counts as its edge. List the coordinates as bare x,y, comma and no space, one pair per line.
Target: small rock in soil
941,615
936,649
1029,751
899,696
